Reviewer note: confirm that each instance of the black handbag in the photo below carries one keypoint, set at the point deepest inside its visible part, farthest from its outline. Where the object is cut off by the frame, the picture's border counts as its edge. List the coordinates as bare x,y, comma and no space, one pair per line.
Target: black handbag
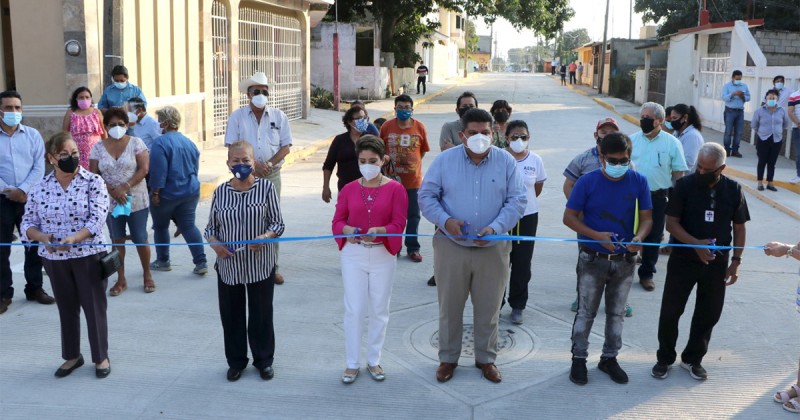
389,171
110,263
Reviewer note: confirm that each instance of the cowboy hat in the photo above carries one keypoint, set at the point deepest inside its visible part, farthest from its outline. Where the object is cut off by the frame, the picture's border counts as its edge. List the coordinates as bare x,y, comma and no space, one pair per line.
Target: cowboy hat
259,78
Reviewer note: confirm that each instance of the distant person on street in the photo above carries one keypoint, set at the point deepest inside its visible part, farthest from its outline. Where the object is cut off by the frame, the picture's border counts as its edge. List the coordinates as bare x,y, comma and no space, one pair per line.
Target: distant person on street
659,157
687,125
422,77
373,204
531,170
471,190
21,168
791,398
794,115
342,152
175,191
769,122
734,94
580,73
449,136
245,208
603,207
84,122
501,112
406,141
267,129
56,221
705,208
120,91
146,127
563,72
573,68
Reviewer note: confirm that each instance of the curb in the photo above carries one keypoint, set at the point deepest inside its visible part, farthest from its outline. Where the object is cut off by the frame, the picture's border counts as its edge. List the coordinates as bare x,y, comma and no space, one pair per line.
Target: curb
772,203
627,117
207,187
795,188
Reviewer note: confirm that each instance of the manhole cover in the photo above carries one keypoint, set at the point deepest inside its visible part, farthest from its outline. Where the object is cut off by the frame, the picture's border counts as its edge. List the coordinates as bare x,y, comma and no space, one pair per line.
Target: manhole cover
513,343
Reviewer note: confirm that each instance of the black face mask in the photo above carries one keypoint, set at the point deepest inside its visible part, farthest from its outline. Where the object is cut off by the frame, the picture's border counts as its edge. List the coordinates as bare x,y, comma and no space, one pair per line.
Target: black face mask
677,125
462,111
707,179
69,164
501,116
647,125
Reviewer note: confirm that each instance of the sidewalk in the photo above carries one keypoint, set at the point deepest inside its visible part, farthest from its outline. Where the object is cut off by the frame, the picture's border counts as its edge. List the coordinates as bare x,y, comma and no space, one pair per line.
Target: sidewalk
310,135
743,170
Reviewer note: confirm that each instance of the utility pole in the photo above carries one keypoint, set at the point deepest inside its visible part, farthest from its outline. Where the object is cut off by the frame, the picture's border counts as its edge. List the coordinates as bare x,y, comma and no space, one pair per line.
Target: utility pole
466,42
603,52
336,93
630,22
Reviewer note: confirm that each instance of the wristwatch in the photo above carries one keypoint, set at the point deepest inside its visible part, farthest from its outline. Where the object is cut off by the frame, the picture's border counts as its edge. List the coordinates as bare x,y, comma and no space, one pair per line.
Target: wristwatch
737,259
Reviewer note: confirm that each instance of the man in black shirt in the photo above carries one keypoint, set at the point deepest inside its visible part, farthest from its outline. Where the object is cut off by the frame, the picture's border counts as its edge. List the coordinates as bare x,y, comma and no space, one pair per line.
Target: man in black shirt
422,76
703,209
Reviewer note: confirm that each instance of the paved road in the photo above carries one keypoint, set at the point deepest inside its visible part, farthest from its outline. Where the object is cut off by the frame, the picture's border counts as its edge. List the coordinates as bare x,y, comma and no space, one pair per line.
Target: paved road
167,352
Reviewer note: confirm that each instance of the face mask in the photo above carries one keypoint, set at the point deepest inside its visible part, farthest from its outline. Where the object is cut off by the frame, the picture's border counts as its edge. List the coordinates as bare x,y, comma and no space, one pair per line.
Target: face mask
616,171
779,85
259,101
706,179
133,117
117,132
677,125
361,124
241,171
120,85
669,126
518,145
12,119
501,116
737,82
772,103
479,143
84,103
462,111
647,125
404,114
69,164
369,171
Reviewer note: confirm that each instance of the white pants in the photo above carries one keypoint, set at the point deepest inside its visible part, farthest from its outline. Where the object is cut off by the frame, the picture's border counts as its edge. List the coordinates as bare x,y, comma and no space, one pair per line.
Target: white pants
367,275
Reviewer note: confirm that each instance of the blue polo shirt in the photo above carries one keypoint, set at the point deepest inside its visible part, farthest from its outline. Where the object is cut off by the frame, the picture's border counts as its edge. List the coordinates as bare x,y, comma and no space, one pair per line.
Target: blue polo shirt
113,97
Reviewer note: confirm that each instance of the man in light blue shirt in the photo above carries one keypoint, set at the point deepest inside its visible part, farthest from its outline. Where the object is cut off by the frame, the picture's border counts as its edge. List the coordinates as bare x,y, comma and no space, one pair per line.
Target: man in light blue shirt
658,156
119,92
146,127
472,190
734,93
21,167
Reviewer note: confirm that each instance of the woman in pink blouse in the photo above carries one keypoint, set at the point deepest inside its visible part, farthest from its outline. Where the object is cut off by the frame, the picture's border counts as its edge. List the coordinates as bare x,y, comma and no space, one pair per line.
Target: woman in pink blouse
371,205
84,122
65,213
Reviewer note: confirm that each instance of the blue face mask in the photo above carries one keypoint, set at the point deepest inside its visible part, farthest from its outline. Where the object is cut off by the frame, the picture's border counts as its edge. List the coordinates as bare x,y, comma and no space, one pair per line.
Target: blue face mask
241,171
737,82
404,114
12,119
616,171
120,85
668,125
361,124
772,103
779,85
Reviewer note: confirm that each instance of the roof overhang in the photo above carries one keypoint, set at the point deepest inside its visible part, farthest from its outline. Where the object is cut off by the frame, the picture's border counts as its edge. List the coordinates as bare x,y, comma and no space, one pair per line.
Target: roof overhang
718,27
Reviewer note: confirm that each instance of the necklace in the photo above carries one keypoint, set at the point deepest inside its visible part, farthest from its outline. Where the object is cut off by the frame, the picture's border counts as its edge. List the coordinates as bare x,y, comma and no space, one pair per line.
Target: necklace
369,201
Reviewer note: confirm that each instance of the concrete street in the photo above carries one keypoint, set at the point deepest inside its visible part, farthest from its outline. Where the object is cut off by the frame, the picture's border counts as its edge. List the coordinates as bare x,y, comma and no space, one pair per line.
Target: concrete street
167,355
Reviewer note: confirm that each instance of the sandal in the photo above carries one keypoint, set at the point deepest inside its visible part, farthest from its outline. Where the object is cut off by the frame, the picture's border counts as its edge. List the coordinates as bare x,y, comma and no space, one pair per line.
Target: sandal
792,405
376,372
350,375
117,289
785,396
149,286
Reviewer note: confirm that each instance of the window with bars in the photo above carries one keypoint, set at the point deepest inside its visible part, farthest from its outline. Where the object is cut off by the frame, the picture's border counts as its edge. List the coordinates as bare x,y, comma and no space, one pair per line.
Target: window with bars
219,41
271,43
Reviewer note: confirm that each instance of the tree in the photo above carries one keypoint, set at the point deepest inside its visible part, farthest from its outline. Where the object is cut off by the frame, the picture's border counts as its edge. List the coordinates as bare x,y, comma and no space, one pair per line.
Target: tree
571,40
674,15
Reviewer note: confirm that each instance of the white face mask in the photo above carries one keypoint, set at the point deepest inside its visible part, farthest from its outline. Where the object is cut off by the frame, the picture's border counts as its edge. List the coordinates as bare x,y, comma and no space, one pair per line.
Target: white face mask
117,132
133,117
259,101
518,145
369,171
479,143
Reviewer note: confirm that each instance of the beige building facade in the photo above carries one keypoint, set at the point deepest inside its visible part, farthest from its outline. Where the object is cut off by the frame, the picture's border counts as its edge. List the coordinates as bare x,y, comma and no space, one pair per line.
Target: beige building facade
190,54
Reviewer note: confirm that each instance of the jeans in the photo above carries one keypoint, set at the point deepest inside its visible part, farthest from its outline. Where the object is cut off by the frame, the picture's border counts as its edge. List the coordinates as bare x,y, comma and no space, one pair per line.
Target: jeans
796,148
768,152
421,80
10,217
734,125
650,253
412,225
682,275
183,211
597,277
137,222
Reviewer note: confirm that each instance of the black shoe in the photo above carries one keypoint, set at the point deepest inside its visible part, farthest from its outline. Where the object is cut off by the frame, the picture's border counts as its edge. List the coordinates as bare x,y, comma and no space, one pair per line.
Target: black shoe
610,366
736,154
578,373
727,153
695,371
42,297
60,373
102,373
5,302
660,370
432,281
267,373
771,188
234,374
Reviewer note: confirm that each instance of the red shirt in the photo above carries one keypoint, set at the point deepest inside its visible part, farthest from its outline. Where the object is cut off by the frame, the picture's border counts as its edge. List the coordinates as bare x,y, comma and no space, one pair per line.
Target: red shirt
573,67
406,147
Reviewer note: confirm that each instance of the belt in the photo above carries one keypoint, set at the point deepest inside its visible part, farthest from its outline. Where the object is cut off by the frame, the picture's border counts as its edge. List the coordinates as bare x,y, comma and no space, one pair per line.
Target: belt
611,257
662,191
734,109
370,244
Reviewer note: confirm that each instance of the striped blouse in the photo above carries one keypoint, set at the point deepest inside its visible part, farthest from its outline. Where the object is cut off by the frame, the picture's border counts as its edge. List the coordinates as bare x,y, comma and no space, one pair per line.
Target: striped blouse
241,216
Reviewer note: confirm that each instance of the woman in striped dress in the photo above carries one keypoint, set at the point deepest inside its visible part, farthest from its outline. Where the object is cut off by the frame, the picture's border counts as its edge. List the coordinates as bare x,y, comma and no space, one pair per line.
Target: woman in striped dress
244,209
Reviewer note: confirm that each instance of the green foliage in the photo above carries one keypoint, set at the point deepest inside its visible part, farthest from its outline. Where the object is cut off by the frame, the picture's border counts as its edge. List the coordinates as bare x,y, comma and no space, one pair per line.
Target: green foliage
321,98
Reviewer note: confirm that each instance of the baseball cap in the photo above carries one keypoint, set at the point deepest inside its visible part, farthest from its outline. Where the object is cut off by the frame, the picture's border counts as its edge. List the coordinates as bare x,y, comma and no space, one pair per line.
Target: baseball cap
605,121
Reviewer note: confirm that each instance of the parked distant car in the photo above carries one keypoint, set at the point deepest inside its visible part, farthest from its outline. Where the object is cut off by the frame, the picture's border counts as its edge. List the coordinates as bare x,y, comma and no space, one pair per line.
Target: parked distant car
525,71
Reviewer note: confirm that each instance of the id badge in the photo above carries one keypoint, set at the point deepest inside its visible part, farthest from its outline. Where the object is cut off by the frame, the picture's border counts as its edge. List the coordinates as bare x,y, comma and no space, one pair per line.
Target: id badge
709,215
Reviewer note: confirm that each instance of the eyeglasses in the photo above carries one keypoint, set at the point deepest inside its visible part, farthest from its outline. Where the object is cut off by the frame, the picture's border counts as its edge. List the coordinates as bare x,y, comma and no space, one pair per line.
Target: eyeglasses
615,161
257,92
64,155
519,137
119,124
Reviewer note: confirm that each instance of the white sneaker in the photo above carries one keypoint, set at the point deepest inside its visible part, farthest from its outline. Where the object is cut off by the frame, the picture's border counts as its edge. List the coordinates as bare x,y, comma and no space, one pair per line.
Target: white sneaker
795,180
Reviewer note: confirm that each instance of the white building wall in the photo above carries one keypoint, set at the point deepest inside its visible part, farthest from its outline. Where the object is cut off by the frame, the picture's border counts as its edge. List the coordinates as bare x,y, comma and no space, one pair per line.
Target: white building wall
681,67
351,77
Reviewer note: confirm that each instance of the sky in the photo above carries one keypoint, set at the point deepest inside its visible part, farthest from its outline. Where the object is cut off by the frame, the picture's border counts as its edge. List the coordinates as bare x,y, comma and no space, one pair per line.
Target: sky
588,14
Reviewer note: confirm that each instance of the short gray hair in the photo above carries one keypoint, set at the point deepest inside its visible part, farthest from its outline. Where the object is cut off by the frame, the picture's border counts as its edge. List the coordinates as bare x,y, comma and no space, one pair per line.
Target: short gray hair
170,116
714,150
657,109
